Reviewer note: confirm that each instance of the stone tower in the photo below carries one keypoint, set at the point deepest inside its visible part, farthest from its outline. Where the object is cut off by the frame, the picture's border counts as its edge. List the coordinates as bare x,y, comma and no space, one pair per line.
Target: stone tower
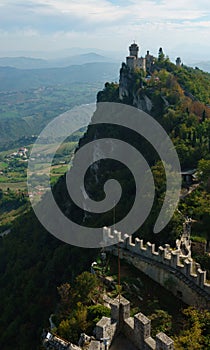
134,50
133,61
178,62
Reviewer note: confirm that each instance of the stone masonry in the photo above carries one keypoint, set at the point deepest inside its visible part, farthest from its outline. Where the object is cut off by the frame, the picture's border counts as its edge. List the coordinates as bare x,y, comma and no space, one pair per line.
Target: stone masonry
137,329
181,276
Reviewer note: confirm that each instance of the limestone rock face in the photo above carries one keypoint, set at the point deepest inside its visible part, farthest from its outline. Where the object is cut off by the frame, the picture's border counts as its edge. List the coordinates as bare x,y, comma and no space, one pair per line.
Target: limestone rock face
125,82
144,103
130,92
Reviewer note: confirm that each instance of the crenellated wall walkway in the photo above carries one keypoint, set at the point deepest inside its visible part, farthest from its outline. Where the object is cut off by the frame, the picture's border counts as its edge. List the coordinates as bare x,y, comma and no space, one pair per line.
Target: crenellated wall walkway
181,276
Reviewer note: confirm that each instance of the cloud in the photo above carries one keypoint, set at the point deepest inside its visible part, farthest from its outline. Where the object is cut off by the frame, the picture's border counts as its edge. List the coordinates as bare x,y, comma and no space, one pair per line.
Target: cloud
98,12
104,23
165,10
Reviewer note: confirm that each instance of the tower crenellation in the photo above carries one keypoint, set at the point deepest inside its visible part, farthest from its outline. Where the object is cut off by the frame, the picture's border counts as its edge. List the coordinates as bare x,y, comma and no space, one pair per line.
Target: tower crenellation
137,329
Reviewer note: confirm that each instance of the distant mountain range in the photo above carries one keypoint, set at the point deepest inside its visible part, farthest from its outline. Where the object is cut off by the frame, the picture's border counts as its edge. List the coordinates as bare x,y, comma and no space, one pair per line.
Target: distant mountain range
79,59
36,63
78,56
23,62
13,79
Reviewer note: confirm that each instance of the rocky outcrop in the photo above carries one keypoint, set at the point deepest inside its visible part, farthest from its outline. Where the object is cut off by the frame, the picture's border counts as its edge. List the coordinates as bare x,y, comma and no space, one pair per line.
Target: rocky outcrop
132,92
144,103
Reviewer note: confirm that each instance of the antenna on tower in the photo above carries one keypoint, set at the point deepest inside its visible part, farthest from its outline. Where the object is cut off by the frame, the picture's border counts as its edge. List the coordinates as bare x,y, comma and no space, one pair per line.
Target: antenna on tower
119,268
118,253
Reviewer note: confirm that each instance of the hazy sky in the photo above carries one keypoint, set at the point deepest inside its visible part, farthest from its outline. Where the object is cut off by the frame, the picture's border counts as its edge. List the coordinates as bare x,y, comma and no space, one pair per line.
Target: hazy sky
181,27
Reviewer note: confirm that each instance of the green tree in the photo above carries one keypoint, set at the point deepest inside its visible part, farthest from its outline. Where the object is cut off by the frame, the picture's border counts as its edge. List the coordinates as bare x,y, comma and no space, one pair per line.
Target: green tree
85,286
204,171
81,317
161,322
196,332
65,294
66,329
71,328
96,312
161,56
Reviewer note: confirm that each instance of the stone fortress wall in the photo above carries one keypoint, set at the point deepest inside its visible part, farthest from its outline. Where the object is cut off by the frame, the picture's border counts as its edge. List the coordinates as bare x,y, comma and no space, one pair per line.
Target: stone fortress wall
170,268
136,329
173,269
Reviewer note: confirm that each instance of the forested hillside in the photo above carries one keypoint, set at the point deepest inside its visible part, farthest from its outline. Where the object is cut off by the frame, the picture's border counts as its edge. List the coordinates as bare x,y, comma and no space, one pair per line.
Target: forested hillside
24,114
33,264
180,98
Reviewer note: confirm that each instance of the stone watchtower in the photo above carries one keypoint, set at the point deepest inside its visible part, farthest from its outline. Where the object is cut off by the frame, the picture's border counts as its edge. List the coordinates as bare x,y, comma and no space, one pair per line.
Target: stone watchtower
134,61
178,62
134,50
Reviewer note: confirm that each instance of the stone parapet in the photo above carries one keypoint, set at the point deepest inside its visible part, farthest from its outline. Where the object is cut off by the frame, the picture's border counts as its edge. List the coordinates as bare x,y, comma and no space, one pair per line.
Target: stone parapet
168,258
137,329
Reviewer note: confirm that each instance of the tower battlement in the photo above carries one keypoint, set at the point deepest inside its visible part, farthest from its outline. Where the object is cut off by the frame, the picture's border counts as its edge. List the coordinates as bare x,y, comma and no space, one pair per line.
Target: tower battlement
137,329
